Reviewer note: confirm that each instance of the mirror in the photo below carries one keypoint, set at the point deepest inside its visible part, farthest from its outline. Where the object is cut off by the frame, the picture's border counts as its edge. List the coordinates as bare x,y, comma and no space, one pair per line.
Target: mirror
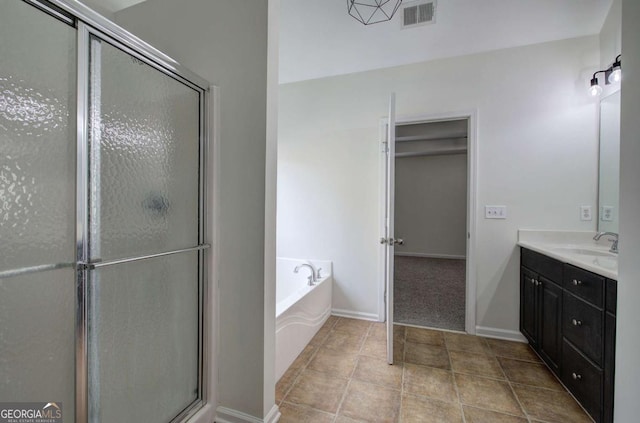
609,172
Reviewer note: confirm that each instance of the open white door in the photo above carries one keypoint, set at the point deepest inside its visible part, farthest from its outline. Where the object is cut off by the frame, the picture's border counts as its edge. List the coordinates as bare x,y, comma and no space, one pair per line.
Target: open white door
389,240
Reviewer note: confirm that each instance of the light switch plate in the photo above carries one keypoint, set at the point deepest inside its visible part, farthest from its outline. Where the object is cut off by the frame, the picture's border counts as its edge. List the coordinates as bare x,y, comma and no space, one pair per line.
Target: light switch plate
495,212
585,213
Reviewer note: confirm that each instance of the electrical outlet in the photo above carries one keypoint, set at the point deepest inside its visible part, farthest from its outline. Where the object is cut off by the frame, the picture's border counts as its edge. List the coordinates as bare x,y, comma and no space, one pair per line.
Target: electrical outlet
585,212
495,212
607,214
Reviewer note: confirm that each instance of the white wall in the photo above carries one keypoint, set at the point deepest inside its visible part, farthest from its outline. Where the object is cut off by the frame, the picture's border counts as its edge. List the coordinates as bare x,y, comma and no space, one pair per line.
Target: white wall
270,209
431,205
537,136
610,44
320,39
627,406
97,6
226,42
611,35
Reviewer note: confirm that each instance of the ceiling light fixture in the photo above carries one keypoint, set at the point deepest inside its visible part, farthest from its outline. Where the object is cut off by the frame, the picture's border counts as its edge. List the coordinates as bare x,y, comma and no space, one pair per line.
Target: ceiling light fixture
612,75
372,11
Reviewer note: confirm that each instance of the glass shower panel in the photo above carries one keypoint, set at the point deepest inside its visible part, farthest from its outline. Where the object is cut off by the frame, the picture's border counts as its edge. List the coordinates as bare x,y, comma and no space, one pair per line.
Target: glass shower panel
37,207
37,315
144,141
37,138
143,328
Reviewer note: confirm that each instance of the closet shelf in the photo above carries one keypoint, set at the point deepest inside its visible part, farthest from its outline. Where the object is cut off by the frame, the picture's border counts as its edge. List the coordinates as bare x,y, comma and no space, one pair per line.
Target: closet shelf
442,152
418,138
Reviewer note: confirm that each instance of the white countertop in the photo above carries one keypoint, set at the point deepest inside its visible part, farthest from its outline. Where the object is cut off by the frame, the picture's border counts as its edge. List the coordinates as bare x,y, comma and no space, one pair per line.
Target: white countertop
566,247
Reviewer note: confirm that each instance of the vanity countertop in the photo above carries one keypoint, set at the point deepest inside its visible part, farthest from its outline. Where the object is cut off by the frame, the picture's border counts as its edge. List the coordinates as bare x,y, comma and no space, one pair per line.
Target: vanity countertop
573,247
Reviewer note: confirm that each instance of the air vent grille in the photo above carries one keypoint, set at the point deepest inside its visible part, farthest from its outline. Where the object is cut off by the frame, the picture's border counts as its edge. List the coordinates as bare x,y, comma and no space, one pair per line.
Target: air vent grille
410,15
421,13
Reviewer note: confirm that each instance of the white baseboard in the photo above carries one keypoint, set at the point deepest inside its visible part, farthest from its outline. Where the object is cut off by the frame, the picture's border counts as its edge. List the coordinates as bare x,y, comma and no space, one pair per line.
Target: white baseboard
355,314
426,255
507,335
228,415
273,416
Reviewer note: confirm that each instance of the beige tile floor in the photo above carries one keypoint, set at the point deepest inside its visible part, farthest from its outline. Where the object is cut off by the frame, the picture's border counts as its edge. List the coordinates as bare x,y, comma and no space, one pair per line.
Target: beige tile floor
439,377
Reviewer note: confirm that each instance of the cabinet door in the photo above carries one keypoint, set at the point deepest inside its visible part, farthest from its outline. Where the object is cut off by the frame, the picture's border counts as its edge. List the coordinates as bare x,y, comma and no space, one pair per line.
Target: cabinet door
550,335
528,306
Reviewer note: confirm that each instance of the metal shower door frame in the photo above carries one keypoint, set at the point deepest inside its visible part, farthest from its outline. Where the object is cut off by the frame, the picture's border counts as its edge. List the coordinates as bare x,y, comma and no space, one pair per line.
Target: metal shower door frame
83,256
89,23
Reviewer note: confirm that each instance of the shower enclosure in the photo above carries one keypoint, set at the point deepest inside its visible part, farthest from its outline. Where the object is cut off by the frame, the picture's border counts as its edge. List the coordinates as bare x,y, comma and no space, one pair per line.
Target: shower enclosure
102,219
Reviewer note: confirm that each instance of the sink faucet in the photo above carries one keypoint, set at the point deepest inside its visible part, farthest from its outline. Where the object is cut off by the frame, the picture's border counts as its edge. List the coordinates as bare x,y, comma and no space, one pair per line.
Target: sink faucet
312,277
614,240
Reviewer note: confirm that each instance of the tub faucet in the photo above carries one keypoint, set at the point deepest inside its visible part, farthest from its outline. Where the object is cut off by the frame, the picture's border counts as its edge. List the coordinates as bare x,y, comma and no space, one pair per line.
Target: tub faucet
312,277
614,240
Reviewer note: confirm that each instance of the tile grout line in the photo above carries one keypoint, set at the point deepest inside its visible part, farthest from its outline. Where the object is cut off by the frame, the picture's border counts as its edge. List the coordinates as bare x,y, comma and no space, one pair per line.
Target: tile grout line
344,394
302,369
305,365
513,391
453,377
404,345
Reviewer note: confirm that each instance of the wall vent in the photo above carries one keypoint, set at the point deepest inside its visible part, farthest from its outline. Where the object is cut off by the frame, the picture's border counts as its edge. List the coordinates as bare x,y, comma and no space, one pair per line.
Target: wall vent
418,13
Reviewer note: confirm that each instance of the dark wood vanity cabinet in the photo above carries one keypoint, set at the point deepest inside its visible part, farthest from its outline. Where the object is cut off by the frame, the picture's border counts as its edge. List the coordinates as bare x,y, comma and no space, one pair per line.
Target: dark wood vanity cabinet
541,306
568,316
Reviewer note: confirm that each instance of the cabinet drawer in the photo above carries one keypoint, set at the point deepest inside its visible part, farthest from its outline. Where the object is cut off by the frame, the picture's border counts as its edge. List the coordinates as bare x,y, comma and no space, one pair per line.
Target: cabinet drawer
583,325
611,298
542,264
586,285
584,380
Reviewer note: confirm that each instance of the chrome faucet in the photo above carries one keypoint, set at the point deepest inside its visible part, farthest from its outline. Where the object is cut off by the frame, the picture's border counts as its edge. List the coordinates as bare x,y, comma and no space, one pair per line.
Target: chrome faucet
312,277
614,240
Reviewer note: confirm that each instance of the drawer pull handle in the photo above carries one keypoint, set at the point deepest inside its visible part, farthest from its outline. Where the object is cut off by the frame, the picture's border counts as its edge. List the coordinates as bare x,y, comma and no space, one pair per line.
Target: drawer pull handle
533,281
577,282
576,322
576,376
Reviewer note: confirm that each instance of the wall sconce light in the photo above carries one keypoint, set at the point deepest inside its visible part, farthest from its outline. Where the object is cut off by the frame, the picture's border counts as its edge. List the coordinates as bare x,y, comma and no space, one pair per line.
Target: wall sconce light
612,75
615,75
595,89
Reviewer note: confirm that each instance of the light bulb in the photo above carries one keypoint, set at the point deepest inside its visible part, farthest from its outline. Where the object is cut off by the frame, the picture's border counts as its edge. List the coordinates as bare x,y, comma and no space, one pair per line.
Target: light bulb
595,89
615,76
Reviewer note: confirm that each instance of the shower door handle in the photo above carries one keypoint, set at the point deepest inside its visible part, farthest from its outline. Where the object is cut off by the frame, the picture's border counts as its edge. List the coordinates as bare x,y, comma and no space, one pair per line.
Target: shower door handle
98,264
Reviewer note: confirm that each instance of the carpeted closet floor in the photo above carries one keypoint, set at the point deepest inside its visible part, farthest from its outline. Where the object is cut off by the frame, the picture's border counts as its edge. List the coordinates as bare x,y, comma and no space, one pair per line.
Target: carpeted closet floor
430,292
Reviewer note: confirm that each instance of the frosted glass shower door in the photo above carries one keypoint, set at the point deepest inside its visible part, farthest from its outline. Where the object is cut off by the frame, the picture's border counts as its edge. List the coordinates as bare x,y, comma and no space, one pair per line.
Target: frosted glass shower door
37,207
144,286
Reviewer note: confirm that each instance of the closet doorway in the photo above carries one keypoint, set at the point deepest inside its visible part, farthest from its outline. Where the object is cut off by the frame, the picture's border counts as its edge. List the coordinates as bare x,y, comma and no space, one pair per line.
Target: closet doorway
431,218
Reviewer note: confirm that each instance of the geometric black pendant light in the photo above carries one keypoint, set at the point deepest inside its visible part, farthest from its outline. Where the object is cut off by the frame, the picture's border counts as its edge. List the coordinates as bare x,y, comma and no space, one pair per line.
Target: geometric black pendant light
373,11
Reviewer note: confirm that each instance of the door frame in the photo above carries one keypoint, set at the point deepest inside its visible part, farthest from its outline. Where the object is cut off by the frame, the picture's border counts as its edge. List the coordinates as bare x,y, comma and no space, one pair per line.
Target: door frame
472,207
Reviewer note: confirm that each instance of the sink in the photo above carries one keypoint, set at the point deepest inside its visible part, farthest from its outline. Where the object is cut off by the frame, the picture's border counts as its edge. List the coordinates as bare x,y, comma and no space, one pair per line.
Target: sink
581,251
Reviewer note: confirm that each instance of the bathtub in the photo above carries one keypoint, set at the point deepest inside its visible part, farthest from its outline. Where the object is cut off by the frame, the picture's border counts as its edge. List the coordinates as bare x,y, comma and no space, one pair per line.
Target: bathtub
301,310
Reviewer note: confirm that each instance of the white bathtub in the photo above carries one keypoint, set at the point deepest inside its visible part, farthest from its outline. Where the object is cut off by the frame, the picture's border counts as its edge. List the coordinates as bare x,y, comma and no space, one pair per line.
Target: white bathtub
301,310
